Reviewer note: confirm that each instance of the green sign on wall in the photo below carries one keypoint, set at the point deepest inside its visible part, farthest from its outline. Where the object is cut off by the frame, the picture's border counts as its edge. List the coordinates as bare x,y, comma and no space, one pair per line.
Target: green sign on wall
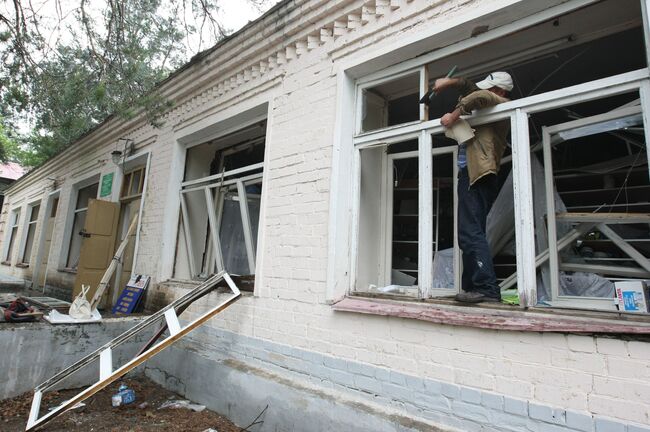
107,185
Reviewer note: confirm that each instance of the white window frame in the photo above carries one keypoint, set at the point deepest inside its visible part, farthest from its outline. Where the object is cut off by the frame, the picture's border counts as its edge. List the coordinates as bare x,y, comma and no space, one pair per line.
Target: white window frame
49,203
221,183
140,159
14,218
517,111
25,232
192,133
70,216
557,299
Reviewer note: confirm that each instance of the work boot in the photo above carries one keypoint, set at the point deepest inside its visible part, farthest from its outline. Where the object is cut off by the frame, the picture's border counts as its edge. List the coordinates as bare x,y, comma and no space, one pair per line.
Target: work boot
475,297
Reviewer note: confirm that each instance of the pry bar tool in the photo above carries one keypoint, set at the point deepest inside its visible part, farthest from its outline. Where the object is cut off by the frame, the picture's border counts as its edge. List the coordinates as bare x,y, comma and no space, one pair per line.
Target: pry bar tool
428,96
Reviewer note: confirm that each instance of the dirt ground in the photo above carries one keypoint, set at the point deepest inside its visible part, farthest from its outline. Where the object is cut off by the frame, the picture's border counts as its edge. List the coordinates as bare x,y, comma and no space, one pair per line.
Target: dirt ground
99,415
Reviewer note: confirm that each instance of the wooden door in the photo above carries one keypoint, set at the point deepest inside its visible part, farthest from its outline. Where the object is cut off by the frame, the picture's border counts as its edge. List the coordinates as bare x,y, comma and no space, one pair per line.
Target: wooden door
97,247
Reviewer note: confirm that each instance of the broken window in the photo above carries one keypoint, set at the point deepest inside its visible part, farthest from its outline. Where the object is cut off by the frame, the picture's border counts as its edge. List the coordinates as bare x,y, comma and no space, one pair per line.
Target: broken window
31,232
391,102
78,222
595,167
13,232
220,205
587,108
133,184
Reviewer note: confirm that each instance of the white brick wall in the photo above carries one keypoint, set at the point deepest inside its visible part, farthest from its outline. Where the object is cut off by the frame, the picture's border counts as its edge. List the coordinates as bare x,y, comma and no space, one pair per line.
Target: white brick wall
604,376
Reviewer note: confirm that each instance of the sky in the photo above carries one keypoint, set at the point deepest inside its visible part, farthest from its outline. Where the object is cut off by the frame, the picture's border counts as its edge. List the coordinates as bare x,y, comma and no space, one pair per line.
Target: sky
237,13
233,14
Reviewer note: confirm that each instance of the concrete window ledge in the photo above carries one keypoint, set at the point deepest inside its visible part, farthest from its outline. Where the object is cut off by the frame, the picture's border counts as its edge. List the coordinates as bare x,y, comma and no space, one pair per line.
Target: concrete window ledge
67,270
499,317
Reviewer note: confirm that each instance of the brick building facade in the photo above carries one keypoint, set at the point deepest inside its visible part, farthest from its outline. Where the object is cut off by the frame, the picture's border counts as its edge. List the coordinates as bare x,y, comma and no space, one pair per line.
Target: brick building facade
291,102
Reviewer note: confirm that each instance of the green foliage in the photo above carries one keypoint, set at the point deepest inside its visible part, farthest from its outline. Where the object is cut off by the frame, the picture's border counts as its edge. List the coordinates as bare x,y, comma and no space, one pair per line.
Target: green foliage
109,65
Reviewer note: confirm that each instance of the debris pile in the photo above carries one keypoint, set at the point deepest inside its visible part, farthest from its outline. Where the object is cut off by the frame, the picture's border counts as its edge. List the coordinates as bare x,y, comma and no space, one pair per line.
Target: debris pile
99,414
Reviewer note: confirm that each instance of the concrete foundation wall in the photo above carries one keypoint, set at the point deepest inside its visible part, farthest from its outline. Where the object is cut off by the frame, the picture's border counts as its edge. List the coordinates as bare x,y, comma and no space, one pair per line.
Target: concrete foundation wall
597,377
31,353
308,391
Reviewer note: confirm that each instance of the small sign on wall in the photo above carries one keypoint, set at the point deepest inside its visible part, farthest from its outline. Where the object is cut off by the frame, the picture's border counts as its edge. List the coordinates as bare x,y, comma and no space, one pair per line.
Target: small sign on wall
107,185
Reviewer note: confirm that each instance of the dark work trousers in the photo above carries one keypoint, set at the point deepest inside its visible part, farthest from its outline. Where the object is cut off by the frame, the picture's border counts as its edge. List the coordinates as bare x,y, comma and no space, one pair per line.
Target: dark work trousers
474,204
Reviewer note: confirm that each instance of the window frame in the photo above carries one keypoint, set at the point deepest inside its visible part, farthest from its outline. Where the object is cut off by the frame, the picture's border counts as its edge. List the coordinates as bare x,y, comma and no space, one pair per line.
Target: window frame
517,111
343,226
12,234
237,179
50,199
127,185
71,212
25,233
558,299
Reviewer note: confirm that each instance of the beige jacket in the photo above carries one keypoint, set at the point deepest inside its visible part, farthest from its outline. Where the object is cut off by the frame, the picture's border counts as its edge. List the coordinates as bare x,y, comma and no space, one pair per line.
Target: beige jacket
484,151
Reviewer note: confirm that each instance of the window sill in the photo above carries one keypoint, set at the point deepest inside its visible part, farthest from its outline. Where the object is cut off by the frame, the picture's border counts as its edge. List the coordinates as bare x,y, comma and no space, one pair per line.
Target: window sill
22,265
67,270
499,317
244,283
190,284
6,263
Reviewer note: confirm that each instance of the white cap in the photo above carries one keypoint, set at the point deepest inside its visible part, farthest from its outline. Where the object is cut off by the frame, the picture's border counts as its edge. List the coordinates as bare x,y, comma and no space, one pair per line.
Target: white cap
496,79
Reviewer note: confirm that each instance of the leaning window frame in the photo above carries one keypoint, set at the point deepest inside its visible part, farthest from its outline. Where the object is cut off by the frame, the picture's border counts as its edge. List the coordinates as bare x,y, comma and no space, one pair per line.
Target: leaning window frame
25,233
237,179
518,112
14,218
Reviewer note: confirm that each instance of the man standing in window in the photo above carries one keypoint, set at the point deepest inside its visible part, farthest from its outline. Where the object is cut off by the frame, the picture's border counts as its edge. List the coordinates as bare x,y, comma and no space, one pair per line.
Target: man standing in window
479,160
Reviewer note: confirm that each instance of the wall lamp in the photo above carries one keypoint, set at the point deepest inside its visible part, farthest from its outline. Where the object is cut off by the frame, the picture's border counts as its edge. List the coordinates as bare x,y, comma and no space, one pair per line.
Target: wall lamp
118,156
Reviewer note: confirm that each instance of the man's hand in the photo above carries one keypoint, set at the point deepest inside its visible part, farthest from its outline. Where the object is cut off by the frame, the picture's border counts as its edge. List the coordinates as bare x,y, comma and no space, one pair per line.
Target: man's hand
450,118
443,83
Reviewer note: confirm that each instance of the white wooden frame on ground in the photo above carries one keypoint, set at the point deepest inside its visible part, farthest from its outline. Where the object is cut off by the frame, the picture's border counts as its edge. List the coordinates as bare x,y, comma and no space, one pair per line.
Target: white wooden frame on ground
547,133
107,374
45,216
237,178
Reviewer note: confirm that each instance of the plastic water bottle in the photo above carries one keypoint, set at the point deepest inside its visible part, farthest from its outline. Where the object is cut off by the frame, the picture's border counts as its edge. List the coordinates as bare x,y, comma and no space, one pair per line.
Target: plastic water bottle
124,396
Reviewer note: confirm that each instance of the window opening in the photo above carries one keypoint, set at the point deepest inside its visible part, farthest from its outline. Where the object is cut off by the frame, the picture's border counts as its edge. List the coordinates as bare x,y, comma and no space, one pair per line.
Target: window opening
13,232
79,220
133,184
595,168
220,205
31,232
556,54
405,213
55,207
392,102
444,190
